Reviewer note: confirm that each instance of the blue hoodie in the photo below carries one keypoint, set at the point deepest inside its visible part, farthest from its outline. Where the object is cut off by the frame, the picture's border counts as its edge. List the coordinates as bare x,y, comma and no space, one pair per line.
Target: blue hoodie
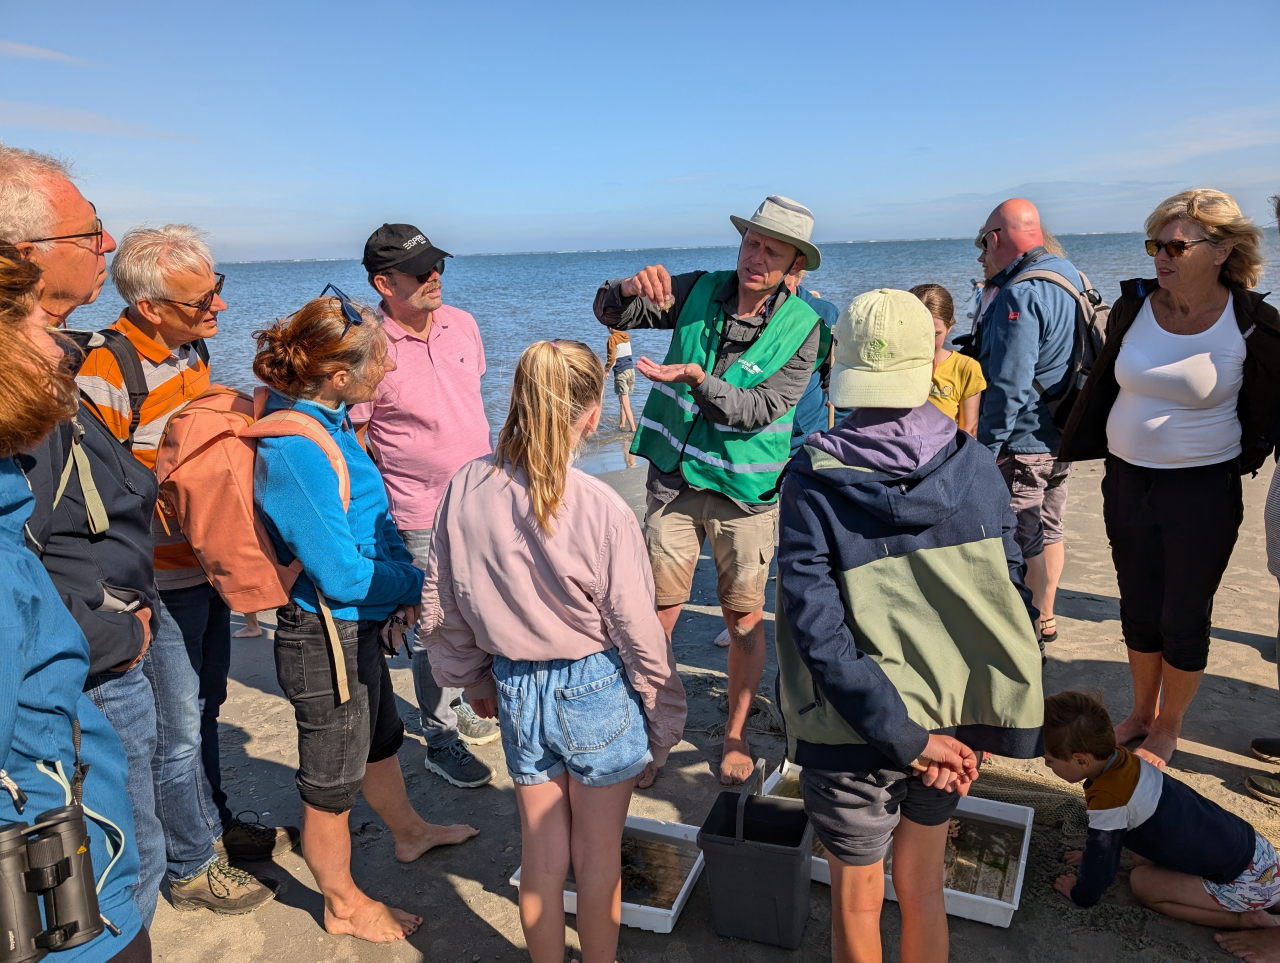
41,677
358,558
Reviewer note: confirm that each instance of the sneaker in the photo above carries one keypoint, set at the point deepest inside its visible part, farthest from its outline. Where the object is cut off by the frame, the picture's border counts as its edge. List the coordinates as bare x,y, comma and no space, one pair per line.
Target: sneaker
1267,750
454,763
476,731
223,889
1266,788
249,839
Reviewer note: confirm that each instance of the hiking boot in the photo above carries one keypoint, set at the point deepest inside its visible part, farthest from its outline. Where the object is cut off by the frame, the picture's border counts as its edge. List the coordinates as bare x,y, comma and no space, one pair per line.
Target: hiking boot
223,889
454,763
1267,750
1266,788
476,731
249,839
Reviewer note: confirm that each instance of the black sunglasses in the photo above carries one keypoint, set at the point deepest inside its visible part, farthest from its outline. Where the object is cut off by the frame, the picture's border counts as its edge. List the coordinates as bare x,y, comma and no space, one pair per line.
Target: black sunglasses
205,302
437,269
980,242
1175,248
349,310
96,234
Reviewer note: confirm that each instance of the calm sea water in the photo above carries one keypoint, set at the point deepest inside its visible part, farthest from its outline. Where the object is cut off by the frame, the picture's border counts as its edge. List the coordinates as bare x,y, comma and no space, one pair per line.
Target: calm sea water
520,298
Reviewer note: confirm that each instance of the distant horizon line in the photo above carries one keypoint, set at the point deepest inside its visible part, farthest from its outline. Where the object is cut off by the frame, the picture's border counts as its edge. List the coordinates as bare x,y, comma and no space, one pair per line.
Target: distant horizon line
624,250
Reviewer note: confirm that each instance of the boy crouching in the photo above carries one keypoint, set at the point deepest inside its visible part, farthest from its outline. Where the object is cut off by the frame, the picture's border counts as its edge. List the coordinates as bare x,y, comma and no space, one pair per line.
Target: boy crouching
1197,862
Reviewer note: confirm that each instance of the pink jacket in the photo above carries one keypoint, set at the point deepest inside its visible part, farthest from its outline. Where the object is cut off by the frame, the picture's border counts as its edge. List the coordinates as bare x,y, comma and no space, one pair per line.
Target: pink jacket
498,585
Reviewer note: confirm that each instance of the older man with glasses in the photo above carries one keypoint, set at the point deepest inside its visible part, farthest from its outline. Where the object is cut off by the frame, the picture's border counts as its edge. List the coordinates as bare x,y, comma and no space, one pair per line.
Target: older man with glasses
172,299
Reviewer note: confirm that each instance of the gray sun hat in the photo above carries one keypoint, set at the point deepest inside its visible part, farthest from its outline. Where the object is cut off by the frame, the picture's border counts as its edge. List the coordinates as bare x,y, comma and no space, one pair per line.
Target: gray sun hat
787,220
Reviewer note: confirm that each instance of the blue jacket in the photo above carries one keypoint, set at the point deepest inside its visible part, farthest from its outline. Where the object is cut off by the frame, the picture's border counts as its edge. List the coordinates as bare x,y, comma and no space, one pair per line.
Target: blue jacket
358,560
42,673
811,409
1027,334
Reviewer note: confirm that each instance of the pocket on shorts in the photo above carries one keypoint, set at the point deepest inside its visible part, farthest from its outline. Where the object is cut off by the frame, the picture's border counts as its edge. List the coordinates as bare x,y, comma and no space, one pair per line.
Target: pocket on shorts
510,704
291,667
595,714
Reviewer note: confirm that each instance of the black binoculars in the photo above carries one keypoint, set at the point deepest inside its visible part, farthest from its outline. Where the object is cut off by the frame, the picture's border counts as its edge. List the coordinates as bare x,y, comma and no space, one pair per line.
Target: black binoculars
49,863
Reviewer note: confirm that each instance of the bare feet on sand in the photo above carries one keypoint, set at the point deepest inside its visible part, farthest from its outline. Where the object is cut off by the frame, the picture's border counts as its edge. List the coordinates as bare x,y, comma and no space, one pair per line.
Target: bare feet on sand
1131,728
372,921
430,837
1158,747
648,777
1255,946
736,765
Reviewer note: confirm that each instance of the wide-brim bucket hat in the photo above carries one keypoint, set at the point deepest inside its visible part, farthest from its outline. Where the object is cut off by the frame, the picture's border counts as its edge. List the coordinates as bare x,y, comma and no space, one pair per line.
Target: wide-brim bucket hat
787,220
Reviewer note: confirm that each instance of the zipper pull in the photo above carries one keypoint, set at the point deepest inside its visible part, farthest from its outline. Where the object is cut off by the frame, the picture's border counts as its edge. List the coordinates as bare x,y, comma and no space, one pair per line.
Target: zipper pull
14,790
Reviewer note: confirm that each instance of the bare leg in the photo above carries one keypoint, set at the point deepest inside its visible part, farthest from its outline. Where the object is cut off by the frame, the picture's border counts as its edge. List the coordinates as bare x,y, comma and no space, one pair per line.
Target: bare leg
326,847
1177,690
598,814
628,419
1035,578
918,853
545,825
1254,946
1054,560
857,893
746,668
1183,897
384,789
1145,668
668,615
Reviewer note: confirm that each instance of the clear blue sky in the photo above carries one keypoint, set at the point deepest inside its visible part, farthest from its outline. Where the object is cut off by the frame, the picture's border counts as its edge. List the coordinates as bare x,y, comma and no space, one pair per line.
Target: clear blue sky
291,129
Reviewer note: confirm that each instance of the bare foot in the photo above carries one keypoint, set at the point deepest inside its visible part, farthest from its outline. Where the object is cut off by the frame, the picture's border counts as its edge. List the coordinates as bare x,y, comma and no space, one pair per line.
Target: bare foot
1256,946
372,921
432,836
1258,920
1158,747
736,765
1132,728
648,777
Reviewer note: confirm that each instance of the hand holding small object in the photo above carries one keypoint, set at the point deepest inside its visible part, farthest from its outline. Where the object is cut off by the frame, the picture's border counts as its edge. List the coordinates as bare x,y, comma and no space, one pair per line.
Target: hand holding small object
685,374
654,283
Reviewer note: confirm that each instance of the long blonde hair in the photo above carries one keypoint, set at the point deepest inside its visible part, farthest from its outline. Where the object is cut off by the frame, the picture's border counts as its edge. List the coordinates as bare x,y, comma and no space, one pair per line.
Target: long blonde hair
556,383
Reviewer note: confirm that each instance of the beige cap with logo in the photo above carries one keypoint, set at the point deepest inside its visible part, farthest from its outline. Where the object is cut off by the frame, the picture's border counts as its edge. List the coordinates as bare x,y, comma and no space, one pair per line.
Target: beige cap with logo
883,353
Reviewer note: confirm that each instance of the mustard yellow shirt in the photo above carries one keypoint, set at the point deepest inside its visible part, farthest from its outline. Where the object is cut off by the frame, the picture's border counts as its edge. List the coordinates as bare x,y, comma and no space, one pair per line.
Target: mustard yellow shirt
957,378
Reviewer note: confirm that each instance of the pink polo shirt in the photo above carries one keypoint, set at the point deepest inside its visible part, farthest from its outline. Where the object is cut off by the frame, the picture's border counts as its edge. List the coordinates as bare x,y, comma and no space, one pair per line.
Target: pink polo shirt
427,419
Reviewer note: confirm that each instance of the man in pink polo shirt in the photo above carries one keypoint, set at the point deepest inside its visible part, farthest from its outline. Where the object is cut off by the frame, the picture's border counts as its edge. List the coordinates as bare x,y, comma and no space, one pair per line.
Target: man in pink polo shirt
426,421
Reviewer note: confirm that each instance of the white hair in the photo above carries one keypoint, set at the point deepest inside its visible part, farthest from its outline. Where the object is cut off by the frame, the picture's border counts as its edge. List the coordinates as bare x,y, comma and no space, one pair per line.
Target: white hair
148,255
26,203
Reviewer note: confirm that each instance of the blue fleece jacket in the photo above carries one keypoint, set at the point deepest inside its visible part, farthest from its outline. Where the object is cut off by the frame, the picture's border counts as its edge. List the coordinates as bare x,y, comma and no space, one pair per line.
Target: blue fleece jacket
42,673
357,559
1026,335
811,409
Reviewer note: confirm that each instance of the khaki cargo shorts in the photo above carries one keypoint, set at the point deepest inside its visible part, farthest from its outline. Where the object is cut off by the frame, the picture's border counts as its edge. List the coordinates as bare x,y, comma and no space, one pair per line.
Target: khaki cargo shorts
742,545
1038,495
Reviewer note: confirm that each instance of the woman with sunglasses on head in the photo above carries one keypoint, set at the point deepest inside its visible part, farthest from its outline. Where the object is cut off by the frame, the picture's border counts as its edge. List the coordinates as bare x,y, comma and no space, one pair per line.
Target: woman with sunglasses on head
1181,403
355,567
539,601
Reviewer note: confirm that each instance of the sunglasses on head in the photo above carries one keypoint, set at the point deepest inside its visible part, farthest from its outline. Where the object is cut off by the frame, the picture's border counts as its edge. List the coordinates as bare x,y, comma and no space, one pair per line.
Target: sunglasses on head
1174,248
349,310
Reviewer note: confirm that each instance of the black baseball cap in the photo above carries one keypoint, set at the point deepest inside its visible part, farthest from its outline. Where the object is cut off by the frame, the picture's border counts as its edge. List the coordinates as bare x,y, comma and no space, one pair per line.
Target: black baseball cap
402,247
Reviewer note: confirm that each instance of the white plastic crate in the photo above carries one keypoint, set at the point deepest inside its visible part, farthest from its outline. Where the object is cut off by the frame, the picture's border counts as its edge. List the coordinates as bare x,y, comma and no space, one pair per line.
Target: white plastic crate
965,905
651,918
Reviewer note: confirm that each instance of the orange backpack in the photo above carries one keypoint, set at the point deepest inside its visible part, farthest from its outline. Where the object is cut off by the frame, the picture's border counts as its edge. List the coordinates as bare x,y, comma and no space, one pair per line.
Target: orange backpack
205,468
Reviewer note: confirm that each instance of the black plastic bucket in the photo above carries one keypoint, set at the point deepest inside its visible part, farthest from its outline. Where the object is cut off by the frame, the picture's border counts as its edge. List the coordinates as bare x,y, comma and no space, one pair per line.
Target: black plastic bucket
757,852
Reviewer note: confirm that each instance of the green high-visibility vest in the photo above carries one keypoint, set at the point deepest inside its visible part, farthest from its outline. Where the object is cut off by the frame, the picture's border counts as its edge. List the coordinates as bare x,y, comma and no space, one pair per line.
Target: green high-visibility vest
673,433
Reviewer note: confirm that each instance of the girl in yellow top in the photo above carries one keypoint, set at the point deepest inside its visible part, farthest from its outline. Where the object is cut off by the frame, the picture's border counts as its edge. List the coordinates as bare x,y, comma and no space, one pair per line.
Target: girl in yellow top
957,379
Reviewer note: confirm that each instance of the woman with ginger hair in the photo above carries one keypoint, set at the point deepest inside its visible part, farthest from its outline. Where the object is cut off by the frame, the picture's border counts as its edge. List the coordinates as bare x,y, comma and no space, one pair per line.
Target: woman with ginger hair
539,601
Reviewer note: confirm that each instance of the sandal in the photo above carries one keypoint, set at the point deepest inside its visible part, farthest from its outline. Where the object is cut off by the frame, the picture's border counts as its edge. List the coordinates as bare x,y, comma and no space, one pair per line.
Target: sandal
1049,629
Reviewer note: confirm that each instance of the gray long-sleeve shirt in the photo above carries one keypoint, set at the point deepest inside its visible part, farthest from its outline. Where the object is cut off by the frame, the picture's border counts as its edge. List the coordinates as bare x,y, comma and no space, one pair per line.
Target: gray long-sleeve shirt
722,403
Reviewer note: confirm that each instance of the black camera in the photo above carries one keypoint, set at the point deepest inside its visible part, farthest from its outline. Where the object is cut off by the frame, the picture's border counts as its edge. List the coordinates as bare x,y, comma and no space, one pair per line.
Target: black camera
48,862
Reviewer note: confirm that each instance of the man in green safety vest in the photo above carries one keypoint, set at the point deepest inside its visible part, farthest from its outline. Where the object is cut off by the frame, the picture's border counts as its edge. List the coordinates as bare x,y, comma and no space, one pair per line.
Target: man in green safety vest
717,429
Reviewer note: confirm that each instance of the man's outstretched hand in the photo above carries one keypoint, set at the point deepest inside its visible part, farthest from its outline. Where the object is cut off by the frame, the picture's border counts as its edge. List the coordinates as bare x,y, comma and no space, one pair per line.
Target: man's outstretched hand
685,374
653,282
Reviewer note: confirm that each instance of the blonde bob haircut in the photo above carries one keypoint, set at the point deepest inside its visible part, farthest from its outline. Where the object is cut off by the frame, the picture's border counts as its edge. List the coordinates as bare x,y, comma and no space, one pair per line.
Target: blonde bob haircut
1220,218
556,384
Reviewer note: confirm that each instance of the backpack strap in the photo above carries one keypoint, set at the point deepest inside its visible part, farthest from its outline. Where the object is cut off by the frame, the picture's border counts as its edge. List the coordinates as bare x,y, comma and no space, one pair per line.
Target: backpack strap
135,381
1082,297
78,460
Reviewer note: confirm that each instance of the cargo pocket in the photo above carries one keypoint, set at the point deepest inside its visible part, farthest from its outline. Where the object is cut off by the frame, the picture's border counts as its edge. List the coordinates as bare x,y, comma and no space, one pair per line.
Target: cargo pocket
595,714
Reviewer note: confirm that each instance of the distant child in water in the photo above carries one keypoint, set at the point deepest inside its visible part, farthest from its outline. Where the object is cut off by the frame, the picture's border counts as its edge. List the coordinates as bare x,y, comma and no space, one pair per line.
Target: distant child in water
957,379
618,358
539,601
1197,862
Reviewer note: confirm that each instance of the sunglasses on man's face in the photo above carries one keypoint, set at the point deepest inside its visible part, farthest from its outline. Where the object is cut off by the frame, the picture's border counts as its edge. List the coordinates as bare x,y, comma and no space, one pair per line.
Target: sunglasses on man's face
205,302
349,310
1174,248
436,269
980,242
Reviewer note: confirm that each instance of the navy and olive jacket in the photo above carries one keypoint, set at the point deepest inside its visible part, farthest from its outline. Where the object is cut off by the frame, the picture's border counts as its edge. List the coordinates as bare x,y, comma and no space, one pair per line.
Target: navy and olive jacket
901,609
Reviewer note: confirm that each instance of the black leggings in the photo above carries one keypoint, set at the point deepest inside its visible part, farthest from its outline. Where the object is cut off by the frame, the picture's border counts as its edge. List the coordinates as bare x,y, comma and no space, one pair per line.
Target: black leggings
1171,531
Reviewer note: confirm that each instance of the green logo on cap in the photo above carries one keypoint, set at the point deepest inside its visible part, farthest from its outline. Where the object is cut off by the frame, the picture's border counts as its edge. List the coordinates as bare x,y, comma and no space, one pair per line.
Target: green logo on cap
877,350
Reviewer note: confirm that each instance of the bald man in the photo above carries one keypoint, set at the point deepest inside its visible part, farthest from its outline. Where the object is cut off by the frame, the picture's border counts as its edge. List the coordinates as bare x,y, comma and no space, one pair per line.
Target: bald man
1024,340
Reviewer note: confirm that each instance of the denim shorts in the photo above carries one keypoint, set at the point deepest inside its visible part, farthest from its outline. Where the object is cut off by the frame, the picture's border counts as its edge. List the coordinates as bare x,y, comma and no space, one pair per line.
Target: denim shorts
335,741
580,715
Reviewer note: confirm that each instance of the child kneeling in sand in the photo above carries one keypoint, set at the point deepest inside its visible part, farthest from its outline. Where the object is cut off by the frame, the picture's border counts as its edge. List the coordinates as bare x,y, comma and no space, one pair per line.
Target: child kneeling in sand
1198,862
905,637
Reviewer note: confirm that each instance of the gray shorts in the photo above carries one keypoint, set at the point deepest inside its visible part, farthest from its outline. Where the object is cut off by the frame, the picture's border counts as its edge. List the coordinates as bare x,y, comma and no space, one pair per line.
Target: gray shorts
855,813
1038,496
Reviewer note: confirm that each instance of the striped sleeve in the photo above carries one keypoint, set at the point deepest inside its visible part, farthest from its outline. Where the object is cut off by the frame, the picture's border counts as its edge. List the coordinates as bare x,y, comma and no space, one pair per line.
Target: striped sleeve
102,382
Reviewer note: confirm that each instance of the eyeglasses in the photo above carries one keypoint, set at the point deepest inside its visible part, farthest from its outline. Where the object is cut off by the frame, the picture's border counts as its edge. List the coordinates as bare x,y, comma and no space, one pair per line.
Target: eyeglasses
206,302
96,234
437,269
349,310
980,242
1174,248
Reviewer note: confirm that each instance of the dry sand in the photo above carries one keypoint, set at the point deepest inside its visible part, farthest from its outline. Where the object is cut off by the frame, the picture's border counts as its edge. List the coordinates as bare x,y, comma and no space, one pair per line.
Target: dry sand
470,909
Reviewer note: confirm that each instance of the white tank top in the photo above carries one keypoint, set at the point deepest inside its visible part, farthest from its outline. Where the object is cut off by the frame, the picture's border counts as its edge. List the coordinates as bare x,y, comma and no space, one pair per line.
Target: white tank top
1177,401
